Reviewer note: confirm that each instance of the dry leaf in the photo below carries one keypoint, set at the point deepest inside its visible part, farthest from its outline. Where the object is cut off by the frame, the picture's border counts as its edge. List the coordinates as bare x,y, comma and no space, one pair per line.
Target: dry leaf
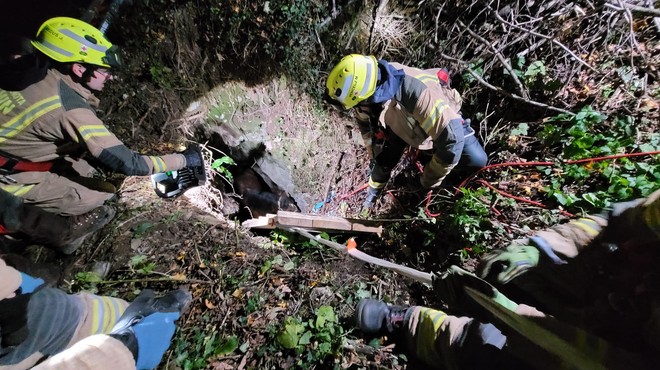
209,304
181,256
238,293
179,276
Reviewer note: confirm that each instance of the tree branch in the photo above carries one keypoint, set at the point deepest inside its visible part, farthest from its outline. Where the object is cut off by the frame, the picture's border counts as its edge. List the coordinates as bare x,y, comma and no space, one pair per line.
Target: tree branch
622,6
500,57
501,90
554,41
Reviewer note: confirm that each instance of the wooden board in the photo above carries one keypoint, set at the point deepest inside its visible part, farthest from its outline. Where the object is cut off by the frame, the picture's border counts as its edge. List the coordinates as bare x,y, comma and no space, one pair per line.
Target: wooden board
312,222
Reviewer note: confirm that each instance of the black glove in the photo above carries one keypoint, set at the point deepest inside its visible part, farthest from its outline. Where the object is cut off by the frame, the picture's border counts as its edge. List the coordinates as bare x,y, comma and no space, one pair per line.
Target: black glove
13,320
64,168
193,156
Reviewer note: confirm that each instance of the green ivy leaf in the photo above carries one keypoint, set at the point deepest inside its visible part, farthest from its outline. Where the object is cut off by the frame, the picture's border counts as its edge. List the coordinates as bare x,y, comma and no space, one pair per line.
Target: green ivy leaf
305,339
325,314
520,130
289,336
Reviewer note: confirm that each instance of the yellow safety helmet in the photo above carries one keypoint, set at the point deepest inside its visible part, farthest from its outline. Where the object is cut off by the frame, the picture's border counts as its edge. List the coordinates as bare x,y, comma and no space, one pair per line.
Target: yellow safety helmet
69,40
353,79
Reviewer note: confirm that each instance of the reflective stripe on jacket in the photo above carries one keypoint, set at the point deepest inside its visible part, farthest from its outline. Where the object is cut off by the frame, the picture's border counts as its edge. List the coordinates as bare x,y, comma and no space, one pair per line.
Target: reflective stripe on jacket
422,108
55,117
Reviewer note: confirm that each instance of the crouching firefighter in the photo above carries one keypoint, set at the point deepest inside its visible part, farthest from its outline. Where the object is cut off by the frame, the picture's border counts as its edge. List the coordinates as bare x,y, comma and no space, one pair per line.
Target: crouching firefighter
592,289
397,106
45,326
53,119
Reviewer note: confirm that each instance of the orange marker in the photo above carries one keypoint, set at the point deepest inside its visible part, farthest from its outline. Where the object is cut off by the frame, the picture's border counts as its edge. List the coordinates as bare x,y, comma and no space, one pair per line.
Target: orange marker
351,244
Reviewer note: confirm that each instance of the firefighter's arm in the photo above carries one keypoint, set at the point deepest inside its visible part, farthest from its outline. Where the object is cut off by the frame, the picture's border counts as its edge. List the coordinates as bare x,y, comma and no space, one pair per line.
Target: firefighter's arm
554,246
447,152
638,218
367,117
84,127
98,352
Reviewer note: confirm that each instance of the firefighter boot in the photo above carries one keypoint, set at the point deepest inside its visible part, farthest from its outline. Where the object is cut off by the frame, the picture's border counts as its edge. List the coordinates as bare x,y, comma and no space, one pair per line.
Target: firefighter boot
377,317
83,226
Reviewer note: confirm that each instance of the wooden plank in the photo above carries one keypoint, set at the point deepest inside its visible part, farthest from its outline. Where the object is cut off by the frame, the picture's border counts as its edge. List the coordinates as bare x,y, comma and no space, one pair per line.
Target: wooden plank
318,222
263,222
312,222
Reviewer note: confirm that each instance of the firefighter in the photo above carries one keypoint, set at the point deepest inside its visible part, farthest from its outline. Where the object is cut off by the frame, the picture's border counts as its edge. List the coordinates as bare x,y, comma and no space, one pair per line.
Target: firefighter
594,281
398,106
45,326
53,120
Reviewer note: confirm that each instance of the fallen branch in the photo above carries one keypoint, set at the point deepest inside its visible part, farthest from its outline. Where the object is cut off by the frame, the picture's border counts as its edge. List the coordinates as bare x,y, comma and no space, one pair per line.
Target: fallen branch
554,41
500,57
640,10
501,90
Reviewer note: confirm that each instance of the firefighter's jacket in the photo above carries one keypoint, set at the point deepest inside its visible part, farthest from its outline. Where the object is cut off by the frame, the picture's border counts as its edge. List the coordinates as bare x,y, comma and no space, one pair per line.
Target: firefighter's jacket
601,273
84,349
418,113
55,117
420,110
596,286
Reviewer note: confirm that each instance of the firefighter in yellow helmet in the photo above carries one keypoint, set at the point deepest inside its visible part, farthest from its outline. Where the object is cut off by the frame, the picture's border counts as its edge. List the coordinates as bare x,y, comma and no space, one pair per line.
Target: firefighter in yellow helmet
398,106
50,117
596,284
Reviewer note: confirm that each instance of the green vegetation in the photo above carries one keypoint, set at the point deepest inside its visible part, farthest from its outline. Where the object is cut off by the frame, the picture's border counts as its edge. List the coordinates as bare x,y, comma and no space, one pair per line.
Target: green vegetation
590,134
313,340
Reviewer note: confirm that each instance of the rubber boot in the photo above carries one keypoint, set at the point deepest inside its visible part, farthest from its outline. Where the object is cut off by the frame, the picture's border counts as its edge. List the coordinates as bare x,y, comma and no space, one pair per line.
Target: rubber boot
83,226
369,201
375,317
63,234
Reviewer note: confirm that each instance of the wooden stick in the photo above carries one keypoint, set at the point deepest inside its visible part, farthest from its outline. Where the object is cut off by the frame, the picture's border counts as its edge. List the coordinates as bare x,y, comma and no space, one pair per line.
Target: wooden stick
422,277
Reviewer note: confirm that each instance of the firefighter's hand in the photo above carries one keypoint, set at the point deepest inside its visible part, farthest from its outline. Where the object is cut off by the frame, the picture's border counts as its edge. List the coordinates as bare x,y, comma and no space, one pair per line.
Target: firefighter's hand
147,325
63,167
450,287
514,260
193,156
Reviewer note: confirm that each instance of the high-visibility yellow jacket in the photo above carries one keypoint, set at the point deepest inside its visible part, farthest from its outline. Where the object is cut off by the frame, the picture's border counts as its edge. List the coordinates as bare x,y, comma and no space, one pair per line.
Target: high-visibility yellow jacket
55,117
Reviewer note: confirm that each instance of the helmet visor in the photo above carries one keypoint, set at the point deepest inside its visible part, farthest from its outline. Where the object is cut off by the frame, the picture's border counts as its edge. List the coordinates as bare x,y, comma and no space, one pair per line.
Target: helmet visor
113,57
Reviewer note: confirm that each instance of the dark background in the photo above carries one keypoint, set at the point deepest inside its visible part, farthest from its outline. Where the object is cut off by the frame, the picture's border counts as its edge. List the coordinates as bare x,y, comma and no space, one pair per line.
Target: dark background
22,18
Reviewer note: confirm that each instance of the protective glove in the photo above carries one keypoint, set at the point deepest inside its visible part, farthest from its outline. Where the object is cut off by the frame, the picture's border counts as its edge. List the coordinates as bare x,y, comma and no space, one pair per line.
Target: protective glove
515,258
29,284
193,156
63,167
450,287
370,200
147,325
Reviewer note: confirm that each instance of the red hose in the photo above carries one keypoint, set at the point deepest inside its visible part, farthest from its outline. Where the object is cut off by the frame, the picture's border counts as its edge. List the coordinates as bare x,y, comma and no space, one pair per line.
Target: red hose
513,164
520,199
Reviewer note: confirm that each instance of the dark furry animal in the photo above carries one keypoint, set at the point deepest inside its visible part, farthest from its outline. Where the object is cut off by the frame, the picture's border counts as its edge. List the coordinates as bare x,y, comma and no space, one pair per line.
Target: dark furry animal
257,199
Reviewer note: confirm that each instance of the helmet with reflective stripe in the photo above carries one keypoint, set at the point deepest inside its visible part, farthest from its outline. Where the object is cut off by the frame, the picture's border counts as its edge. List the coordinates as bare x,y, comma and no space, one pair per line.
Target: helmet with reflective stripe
69,40
353,79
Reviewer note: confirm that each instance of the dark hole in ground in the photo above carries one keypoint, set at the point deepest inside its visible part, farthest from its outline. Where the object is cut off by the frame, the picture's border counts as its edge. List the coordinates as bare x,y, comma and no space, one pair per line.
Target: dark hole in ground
259,181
